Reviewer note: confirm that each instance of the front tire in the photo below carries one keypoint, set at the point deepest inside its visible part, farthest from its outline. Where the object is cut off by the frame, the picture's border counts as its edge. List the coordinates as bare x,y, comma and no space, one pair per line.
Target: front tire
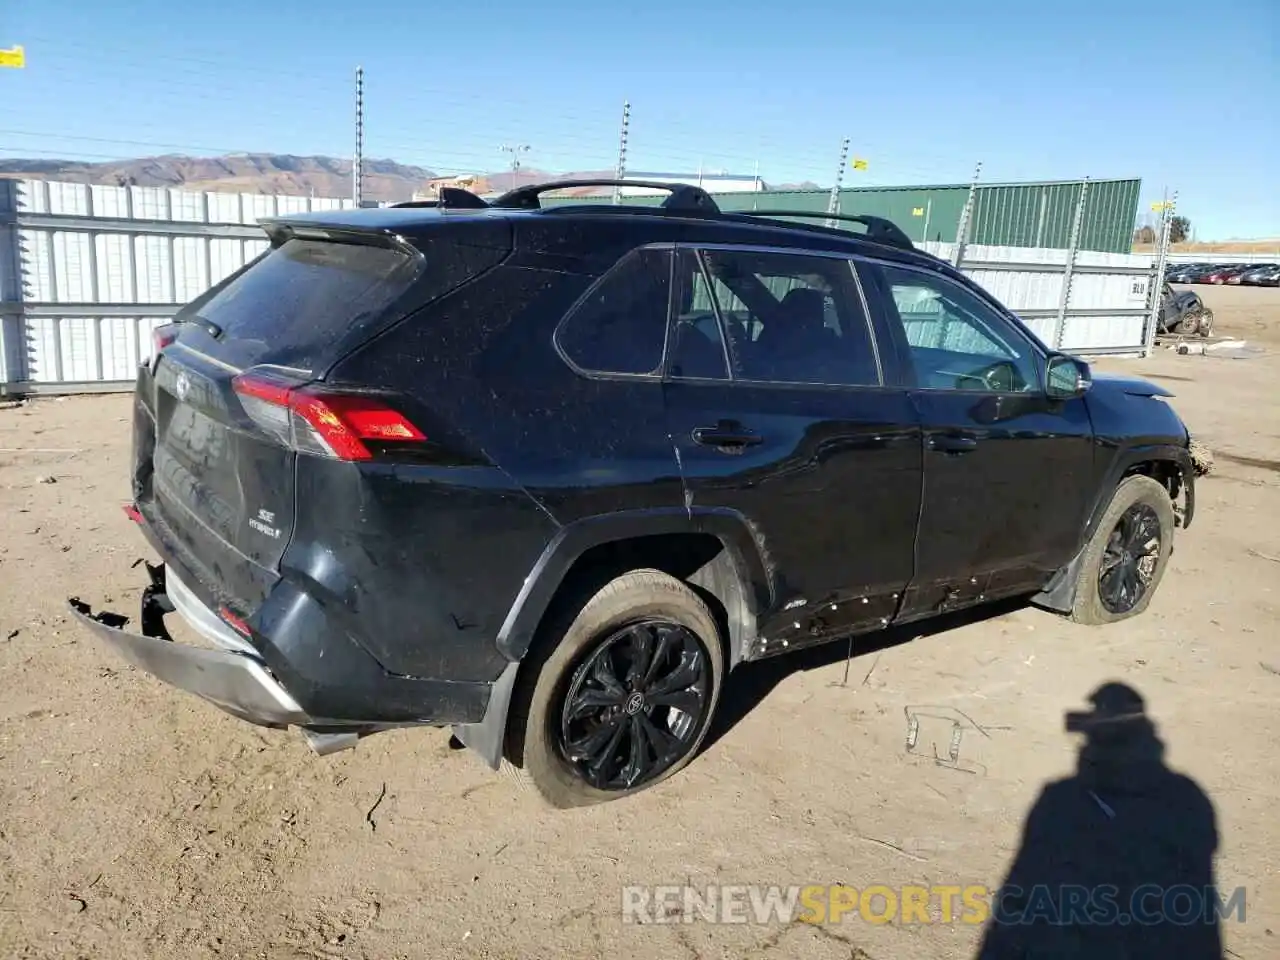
1127,555
625,698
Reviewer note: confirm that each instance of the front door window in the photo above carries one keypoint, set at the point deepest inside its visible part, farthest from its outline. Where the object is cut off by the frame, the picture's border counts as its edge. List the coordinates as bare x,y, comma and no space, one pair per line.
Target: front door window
957,341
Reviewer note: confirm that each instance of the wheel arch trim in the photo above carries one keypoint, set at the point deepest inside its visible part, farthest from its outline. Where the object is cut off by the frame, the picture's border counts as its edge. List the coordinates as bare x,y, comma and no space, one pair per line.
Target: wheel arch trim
1059,593
573,540
751,590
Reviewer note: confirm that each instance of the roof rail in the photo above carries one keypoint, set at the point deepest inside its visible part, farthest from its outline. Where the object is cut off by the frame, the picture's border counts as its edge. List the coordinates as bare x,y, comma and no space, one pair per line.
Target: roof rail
451,198
683,196
878,228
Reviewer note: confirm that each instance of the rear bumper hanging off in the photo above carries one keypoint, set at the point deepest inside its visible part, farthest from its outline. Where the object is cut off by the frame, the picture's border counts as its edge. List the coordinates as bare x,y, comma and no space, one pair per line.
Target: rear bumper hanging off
229,677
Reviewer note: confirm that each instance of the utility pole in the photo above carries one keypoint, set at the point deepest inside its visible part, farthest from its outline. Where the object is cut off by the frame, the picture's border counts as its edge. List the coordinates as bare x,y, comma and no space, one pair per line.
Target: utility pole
515,151
1069,270
622,151
1167,206
966,217
357,167
833,203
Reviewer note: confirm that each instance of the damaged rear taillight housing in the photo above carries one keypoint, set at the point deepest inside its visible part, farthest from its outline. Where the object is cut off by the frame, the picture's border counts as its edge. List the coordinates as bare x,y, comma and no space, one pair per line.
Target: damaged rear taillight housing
311,418
161,337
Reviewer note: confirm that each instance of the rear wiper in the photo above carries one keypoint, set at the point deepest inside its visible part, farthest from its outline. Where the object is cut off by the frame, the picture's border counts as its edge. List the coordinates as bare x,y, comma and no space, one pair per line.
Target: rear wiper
208,326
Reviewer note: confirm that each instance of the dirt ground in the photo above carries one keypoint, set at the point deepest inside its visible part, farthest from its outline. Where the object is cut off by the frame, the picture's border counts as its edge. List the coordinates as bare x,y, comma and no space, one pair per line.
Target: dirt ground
1251,313
138,822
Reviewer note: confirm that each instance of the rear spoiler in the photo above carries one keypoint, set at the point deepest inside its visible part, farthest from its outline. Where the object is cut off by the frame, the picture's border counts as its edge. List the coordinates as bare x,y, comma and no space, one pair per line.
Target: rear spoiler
681,196
281,231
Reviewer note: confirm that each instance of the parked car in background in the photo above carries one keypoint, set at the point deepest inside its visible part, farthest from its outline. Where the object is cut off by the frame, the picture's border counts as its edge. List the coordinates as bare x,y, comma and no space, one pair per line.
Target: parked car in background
1268,276
1192,273
1223,274
1247,270
1183,273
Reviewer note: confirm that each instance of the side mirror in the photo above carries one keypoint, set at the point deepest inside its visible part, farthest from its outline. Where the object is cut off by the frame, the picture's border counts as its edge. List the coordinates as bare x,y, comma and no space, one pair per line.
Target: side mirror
1067,377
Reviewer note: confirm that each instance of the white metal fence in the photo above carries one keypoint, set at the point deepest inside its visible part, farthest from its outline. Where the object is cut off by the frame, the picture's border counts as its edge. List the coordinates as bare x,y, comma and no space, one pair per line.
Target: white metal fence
87,271
1082,302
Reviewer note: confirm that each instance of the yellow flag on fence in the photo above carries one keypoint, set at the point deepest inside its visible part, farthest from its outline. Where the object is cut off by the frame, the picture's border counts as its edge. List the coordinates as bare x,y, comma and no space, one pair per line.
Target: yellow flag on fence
859,164
14,57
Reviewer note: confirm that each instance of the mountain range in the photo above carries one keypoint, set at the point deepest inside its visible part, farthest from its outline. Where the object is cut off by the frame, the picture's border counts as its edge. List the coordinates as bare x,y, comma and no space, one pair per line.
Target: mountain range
240,173
317,176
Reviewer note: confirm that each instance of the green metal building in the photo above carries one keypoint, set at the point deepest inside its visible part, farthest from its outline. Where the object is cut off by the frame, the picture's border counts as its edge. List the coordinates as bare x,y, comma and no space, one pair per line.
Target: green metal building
1006,214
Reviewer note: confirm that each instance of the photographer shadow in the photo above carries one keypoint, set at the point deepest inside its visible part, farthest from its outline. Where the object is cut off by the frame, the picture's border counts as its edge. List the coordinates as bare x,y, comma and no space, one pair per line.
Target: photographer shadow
1117,860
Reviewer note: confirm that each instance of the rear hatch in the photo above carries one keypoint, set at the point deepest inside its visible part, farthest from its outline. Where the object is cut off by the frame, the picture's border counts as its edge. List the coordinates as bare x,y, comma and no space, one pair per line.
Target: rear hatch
237,396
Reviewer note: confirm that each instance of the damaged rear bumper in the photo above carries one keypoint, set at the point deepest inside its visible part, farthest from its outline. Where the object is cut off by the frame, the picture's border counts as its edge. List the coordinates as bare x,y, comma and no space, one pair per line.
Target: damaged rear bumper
231,676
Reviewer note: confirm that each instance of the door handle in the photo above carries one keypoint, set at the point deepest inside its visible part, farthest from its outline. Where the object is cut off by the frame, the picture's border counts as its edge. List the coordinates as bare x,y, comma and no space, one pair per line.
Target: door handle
726,433
952,443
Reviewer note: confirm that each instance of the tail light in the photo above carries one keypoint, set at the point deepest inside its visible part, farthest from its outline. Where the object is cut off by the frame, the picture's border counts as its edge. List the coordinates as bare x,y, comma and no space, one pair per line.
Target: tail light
235,621
162,336
311,419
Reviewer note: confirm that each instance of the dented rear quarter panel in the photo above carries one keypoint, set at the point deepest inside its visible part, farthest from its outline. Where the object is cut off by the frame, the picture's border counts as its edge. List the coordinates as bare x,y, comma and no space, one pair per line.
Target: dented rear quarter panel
434,557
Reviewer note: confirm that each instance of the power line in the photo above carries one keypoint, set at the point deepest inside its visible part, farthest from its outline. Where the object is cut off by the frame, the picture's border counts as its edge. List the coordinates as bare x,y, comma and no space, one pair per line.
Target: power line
331,82
676,148
515,150
334,85
436,98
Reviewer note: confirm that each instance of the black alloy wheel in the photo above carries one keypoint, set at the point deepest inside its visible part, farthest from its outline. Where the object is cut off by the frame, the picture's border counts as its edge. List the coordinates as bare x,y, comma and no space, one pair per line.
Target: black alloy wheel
636,705
1129,559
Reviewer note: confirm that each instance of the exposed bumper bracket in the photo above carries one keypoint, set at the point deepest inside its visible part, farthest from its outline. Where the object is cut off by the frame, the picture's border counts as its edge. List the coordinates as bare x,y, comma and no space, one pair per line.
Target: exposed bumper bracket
326,743
239,684
231,677
155,603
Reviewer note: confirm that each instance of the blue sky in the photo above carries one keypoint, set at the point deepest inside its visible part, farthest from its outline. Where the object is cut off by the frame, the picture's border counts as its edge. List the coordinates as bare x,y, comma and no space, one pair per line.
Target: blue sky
923,89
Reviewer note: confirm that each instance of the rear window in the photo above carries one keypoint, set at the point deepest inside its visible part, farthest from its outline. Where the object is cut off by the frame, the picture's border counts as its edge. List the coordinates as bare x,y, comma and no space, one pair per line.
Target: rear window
300,298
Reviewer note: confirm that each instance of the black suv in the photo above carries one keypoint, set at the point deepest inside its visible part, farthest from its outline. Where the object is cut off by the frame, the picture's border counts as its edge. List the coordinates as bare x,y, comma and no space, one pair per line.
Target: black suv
548,473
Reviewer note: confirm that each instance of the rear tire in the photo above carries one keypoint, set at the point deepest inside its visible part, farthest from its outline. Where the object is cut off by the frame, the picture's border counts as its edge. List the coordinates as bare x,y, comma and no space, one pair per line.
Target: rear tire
597,719
1127,554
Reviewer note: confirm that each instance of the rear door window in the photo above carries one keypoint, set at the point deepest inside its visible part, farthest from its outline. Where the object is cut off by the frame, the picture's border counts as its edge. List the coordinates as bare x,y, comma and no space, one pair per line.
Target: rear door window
301,297
697,350
792,318
620,326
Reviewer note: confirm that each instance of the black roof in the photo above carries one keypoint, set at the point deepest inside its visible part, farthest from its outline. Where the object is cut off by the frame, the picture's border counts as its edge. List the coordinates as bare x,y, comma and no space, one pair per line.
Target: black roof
690,210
